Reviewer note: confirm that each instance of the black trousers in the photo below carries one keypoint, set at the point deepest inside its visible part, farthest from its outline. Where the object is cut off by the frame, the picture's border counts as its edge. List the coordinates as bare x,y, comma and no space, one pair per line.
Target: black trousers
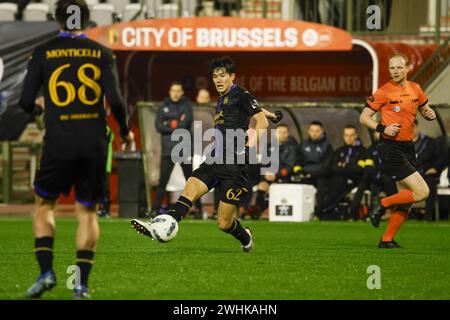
362,186
331,193
166,168
375,185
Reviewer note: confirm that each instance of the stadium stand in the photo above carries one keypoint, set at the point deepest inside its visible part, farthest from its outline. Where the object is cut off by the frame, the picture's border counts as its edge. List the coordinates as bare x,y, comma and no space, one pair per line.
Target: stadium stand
51,4
167,10
119,6
8,11
131,10
90,3
36,12
256,9
152,7
18,41
103,14
188,8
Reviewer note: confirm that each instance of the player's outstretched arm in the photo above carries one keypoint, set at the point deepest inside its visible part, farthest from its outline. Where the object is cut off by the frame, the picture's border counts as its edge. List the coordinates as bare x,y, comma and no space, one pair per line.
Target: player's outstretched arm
275,117
428,113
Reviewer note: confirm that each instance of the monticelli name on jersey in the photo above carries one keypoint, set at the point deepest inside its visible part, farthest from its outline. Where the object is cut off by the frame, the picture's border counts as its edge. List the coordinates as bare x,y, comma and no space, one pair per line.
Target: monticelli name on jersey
73,53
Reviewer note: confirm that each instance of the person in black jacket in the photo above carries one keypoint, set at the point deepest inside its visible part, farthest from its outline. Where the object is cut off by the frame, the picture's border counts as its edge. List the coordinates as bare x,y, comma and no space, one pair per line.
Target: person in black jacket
174,113
312,153
431,164
287,149
311,159
345,170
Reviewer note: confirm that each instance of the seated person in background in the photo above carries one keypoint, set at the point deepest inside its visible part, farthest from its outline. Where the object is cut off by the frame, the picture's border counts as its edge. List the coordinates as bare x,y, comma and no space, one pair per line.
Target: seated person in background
311,158
203,97
431,163
345,171
287,149
374,179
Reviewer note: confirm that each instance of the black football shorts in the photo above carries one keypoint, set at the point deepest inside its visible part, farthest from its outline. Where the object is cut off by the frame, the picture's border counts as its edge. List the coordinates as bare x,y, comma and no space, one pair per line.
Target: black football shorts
55,176
231,179
398,158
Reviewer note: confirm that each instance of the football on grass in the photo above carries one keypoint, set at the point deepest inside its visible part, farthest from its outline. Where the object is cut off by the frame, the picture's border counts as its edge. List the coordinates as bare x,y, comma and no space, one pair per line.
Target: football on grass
164,228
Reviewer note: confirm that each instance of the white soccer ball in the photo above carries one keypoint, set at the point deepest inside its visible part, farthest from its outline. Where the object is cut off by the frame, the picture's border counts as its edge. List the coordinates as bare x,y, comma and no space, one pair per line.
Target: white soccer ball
164,228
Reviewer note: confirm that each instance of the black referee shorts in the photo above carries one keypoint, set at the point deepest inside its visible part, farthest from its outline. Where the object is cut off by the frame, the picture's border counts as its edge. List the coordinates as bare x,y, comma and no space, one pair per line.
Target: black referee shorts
398,158
57,176
231,179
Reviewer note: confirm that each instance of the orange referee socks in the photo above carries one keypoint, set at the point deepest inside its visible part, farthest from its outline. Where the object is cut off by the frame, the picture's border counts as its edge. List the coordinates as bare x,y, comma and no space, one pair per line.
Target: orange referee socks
403,197
395,221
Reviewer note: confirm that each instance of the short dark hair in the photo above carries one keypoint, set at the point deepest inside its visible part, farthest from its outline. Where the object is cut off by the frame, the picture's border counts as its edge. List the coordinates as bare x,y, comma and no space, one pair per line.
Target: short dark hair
350,126
284,125
61,14
222,62
175,83
316,123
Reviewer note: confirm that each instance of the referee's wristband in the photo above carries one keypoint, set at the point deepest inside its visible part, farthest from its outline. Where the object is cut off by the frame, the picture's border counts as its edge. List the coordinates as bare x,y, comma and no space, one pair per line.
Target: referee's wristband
380,128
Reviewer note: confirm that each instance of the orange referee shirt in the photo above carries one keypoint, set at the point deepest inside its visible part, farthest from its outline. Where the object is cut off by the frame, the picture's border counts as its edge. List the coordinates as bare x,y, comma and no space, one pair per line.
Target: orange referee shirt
398,104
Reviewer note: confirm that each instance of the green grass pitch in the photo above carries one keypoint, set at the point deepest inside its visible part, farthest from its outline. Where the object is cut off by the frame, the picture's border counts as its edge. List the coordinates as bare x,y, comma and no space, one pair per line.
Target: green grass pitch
317,260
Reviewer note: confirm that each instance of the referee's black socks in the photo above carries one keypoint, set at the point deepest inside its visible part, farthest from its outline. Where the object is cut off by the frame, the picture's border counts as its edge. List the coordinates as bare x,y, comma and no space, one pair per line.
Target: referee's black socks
43,248
181,208
85,262
238,231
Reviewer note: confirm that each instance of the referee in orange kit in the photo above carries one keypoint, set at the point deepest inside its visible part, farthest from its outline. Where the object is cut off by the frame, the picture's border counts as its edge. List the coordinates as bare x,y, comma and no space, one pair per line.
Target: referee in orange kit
398,102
